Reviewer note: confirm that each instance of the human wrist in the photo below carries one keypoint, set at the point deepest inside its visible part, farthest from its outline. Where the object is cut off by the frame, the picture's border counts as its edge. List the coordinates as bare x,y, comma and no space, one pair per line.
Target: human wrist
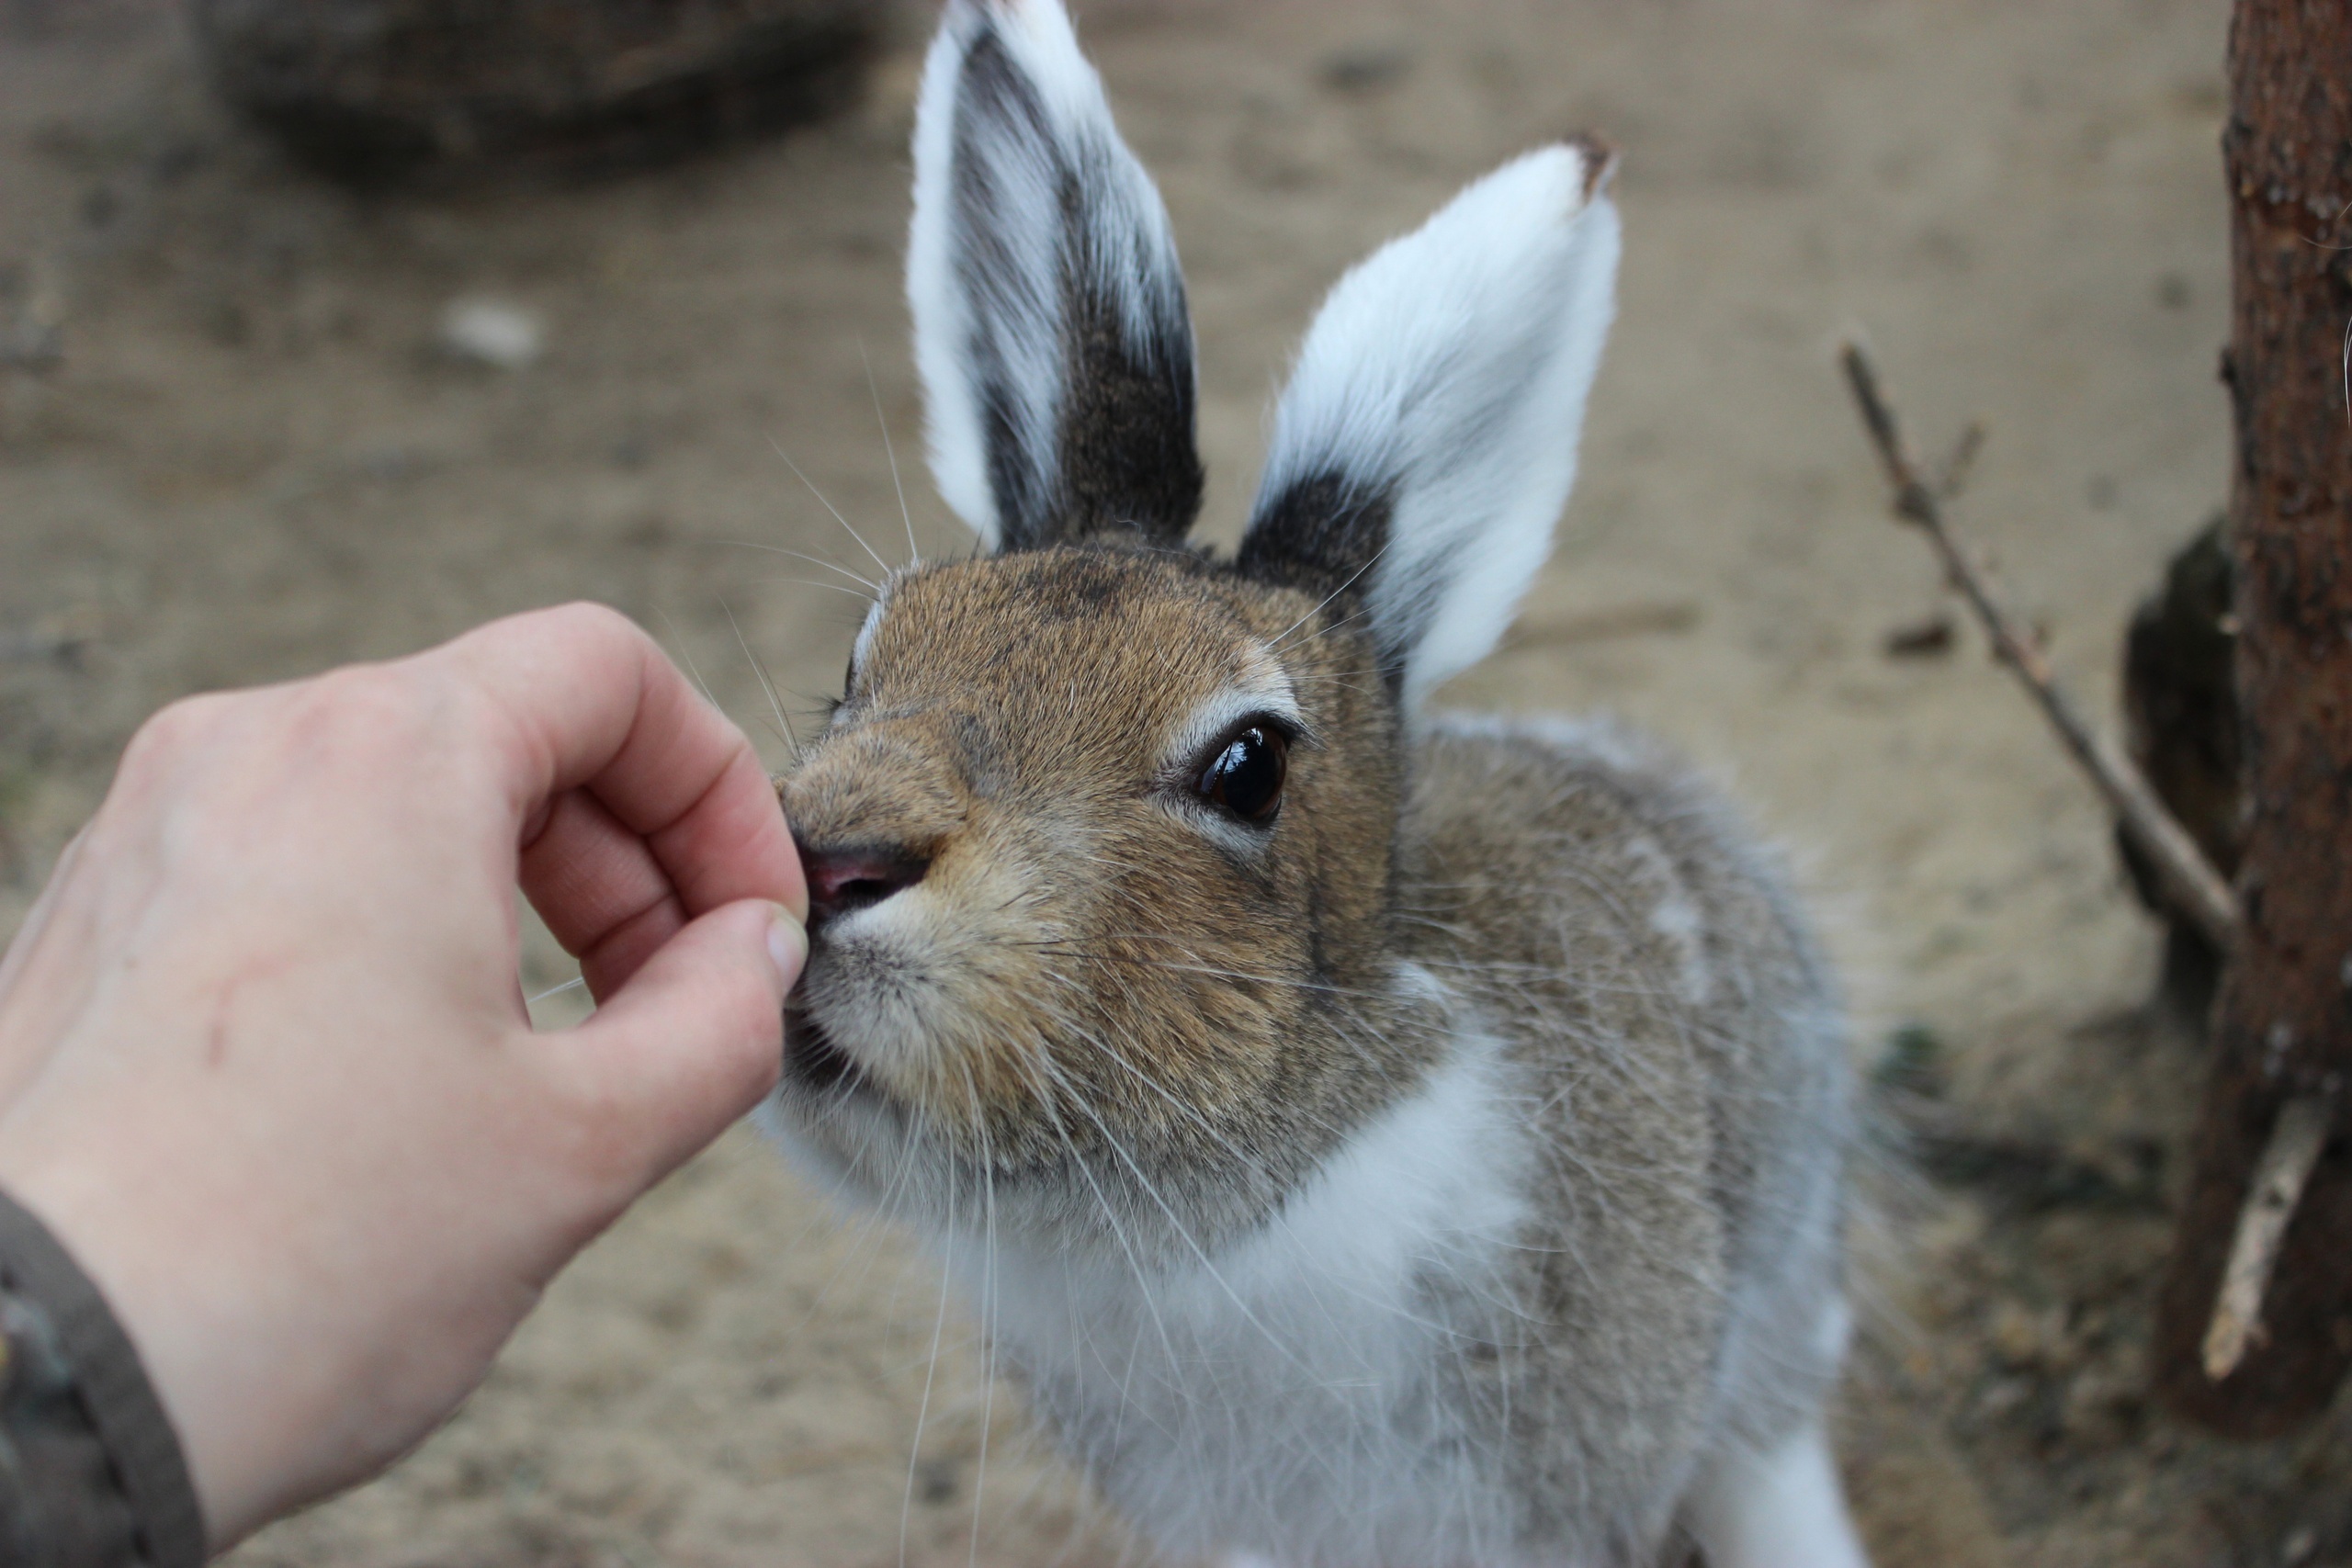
77,1403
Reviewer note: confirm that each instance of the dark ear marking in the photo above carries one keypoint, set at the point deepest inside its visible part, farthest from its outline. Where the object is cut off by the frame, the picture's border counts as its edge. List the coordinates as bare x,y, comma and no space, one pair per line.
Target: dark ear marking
1319,532
1323,536
1128,455
1050,318
1427,439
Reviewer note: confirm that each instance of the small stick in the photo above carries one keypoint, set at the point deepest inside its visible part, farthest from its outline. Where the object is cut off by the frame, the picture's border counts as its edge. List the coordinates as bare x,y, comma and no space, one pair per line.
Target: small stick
2301,1131
2279,1178
2197,888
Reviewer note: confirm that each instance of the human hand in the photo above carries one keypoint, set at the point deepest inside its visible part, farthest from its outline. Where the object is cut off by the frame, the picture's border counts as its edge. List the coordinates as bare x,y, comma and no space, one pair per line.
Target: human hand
265,1064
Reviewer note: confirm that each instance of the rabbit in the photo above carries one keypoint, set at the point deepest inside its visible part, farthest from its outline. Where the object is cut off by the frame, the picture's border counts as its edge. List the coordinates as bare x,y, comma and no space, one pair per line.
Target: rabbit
1372,1135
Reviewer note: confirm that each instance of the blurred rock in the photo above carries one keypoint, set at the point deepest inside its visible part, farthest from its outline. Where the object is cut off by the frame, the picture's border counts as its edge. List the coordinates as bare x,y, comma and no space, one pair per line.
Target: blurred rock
31,344
382,89
490,333
1929,638
1364,68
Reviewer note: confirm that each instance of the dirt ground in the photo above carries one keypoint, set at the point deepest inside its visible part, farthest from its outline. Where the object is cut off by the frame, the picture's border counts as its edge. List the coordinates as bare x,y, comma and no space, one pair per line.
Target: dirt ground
251,462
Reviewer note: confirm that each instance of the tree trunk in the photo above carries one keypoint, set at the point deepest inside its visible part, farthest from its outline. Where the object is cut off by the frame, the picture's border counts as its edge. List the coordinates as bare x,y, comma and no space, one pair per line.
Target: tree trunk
2283,1022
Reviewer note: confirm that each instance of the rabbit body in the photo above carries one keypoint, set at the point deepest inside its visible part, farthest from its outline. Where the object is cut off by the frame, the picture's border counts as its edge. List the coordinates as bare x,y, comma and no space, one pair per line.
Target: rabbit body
1375,1137
1589,1262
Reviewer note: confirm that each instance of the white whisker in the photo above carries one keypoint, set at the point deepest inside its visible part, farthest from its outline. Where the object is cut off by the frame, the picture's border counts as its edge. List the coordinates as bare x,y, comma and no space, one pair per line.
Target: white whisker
556,991
758,671
923,1410
827,506
872,588
915,554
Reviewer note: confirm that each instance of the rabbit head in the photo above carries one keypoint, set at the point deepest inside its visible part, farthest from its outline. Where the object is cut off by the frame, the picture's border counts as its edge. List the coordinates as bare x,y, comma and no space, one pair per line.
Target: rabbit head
1101,837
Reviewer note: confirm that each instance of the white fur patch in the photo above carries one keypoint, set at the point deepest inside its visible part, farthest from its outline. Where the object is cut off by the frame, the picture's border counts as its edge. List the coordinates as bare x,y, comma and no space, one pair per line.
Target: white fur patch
1450,369
1783,1508
1011,327
863,646
1674,915
1275,1396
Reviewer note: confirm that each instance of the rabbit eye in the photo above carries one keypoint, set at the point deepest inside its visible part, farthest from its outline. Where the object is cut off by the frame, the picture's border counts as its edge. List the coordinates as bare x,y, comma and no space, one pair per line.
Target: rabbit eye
1245,778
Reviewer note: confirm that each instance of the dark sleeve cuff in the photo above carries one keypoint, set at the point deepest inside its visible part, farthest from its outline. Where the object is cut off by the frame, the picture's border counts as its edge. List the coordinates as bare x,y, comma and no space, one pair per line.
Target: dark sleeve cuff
91,1473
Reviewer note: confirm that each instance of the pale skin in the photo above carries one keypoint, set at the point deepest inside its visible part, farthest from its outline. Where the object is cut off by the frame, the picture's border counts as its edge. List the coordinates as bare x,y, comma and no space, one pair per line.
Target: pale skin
265,1064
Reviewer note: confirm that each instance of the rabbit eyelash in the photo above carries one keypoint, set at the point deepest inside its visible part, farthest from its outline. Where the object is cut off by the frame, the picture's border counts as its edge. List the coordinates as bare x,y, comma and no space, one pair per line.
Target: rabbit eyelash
1216,719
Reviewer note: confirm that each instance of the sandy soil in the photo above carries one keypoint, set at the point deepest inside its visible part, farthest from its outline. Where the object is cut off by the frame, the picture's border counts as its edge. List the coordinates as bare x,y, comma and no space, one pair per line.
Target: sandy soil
251,464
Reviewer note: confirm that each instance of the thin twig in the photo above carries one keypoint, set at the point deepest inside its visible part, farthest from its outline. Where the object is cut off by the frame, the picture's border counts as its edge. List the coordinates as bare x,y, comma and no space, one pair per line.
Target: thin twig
2196,887
2279,1178
1962,461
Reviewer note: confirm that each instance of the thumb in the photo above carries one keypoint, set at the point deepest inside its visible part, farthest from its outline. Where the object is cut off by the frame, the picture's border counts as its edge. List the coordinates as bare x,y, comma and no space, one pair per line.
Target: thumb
696,1038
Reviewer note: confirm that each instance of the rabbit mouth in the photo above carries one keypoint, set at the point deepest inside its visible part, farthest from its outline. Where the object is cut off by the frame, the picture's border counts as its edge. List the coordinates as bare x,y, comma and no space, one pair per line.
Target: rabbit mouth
813,1061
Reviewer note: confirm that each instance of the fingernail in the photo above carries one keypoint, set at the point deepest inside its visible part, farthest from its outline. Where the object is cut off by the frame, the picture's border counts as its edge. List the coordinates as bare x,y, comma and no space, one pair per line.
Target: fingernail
788,944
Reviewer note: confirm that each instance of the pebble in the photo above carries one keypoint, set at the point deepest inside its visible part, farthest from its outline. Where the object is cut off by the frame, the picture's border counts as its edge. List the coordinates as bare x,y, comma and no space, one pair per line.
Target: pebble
1364,68
493,333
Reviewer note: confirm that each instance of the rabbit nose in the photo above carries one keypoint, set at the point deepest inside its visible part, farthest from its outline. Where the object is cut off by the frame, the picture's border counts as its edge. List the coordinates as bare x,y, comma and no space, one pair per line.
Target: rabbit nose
842,882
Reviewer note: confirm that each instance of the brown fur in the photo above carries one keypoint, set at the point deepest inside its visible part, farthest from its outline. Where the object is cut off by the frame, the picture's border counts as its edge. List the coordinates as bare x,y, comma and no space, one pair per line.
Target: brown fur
1096,952
1126,1034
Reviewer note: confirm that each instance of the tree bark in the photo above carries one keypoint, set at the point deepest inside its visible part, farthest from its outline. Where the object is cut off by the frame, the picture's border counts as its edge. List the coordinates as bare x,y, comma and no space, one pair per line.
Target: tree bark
2283,1022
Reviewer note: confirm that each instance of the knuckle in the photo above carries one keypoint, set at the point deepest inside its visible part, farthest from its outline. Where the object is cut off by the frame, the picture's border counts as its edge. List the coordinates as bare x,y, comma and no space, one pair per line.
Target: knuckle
585,622
175,725
159,749
589,1108
364,708
598,619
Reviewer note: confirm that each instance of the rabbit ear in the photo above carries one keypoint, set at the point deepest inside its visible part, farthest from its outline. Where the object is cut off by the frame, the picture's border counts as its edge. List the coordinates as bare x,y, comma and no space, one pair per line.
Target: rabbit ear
1050,327
1428,437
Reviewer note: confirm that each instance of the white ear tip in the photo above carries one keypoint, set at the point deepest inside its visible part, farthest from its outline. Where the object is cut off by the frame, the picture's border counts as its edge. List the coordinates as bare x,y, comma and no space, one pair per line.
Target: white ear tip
1599,158
1573,173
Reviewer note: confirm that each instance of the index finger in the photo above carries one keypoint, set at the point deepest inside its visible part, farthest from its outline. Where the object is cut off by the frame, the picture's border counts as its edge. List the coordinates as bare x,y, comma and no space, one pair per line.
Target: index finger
592,703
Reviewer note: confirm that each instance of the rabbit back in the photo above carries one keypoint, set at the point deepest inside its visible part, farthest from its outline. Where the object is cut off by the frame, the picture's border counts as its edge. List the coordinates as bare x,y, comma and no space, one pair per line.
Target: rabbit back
1675,1298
